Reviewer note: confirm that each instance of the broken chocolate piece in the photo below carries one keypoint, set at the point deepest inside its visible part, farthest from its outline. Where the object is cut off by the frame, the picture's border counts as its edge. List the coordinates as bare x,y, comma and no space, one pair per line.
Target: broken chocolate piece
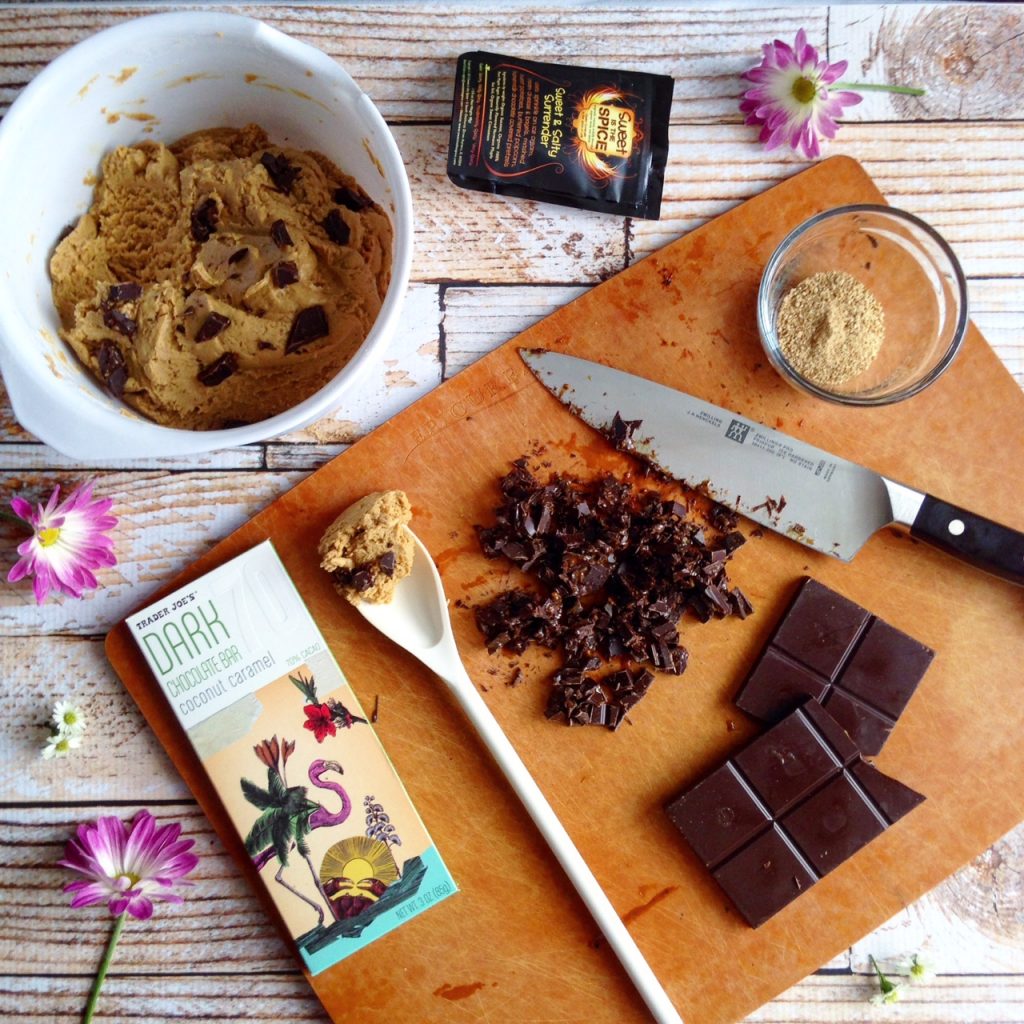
219,370
212,326
204,219
127,291
238,255
863,670
785,811
309,324
352,199
113,370
279,234
336,227
284,273
621,432
120,322
280,170
386,563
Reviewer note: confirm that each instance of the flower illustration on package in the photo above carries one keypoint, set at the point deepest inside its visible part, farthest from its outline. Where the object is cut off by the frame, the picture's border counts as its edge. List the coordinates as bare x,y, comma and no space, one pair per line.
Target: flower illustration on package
323,719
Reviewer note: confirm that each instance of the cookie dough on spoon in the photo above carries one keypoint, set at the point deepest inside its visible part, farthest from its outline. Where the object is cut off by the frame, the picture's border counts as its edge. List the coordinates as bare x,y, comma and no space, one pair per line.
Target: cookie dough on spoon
368,549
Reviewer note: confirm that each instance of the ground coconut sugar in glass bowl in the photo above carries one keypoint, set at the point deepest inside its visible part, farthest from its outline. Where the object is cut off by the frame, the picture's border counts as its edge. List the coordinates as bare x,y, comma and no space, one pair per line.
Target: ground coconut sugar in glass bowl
862,305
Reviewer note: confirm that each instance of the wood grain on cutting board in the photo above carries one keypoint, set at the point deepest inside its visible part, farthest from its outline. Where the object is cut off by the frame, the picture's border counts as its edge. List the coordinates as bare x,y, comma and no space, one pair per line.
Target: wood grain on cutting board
517,945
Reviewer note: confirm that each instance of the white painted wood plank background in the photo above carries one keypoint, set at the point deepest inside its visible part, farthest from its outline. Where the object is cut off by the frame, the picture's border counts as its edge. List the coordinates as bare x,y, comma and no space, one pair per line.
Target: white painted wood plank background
485,268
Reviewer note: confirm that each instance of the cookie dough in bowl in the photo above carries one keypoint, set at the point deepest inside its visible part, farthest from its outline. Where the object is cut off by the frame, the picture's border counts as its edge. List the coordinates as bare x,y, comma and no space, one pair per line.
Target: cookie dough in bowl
221,279
124,351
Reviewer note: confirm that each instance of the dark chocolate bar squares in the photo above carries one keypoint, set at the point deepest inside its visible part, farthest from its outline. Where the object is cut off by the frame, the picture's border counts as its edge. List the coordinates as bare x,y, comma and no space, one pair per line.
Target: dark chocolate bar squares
861,669
785,811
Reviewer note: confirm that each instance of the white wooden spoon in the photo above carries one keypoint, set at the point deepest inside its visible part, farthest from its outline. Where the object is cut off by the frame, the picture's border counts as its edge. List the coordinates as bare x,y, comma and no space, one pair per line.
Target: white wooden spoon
417,619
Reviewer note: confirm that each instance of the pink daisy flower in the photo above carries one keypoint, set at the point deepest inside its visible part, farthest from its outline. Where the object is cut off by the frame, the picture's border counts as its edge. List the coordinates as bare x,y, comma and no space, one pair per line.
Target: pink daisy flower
791,100
129,867
68,542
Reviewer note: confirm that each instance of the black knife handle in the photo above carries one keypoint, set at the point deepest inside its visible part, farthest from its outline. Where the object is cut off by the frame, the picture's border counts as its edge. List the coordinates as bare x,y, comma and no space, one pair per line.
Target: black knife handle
990,546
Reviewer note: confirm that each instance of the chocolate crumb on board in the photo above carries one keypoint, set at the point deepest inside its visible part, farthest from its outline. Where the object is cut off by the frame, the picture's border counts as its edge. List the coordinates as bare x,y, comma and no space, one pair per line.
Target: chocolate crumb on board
375,714
617,569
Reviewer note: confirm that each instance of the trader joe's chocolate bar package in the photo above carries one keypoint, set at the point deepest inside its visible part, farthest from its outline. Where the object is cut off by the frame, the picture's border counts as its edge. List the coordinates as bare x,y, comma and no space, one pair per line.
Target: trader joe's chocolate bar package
326,821
591,138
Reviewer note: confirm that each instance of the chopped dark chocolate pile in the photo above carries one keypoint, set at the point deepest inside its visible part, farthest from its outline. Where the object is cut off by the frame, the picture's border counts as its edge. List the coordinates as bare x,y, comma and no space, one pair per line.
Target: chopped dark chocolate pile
279,234
284,274
218,371
618,568
212,326
127,291
120,322
309,324
112,366
352,199
336,228
204,219
280,170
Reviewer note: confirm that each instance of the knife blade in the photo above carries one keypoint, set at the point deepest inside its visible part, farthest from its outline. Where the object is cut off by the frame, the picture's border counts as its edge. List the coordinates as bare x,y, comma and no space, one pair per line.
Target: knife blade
810,495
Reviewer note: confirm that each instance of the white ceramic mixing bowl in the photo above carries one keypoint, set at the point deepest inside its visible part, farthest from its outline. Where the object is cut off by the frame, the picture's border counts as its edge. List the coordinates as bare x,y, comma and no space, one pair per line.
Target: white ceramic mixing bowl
158,78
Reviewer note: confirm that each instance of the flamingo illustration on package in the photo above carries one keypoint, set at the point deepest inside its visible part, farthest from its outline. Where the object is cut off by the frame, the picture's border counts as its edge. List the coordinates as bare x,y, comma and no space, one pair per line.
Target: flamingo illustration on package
324,817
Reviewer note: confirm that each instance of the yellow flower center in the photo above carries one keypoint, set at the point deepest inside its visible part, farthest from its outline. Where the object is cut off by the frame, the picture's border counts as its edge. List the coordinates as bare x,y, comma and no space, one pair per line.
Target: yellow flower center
48,537
804,89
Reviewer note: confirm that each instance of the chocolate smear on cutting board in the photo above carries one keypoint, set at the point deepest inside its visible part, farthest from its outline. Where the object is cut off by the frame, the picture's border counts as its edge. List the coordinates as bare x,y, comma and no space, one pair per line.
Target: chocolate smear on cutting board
615,569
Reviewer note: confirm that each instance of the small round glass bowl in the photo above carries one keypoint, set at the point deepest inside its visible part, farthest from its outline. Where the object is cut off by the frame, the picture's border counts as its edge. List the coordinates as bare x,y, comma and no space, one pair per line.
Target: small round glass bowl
912,272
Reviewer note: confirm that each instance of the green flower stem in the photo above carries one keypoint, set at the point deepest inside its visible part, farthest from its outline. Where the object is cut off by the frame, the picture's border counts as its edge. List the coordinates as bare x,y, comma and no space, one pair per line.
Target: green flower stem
884,984
12,518
101,974
902,90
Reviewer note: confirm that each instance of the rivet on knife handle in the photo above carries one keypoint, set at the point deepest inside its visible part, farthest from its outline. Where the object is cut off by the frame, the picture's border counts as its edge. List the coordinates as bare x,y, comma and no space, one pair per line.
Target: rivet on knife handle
982,542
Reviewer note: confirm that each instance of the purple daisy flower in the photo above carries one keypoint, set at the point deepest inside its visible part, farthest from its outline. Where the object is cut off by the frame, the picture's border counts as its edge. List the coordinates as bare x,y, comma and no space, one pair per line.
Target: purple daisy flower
68,542
129,867
791,99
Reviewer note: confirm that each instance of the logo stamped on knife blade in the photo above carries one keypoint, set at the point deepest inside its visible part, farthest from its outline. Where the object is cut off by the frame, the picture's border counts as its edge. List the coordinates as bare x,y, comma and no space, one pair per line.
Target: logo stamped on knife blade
737,431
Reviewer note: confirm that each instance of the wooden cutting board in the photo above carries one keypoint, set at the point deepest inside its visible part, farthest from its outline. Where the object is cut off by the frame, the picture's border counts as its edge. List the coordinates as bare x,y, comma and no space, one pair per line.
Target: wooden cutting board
517,944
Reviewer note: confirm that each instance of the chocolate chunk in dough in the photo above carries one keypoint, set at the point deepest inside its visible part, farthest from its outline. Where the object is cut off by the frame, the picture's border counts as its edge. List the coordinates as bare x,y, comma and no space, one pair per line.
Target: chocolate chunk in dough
212,326
310,324
218,371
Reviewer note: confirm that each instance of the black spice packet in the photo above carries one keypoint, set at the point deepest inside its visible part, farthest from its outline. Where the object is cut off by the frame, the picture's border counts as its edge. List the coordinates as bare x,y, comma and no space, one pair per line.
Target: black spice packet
590,138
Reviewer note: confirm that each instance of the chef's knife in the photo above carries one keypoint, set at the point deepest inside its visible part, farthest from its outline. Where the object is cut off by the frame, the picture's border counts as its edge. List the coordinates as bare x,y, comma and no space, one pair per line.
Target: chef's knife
787,485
